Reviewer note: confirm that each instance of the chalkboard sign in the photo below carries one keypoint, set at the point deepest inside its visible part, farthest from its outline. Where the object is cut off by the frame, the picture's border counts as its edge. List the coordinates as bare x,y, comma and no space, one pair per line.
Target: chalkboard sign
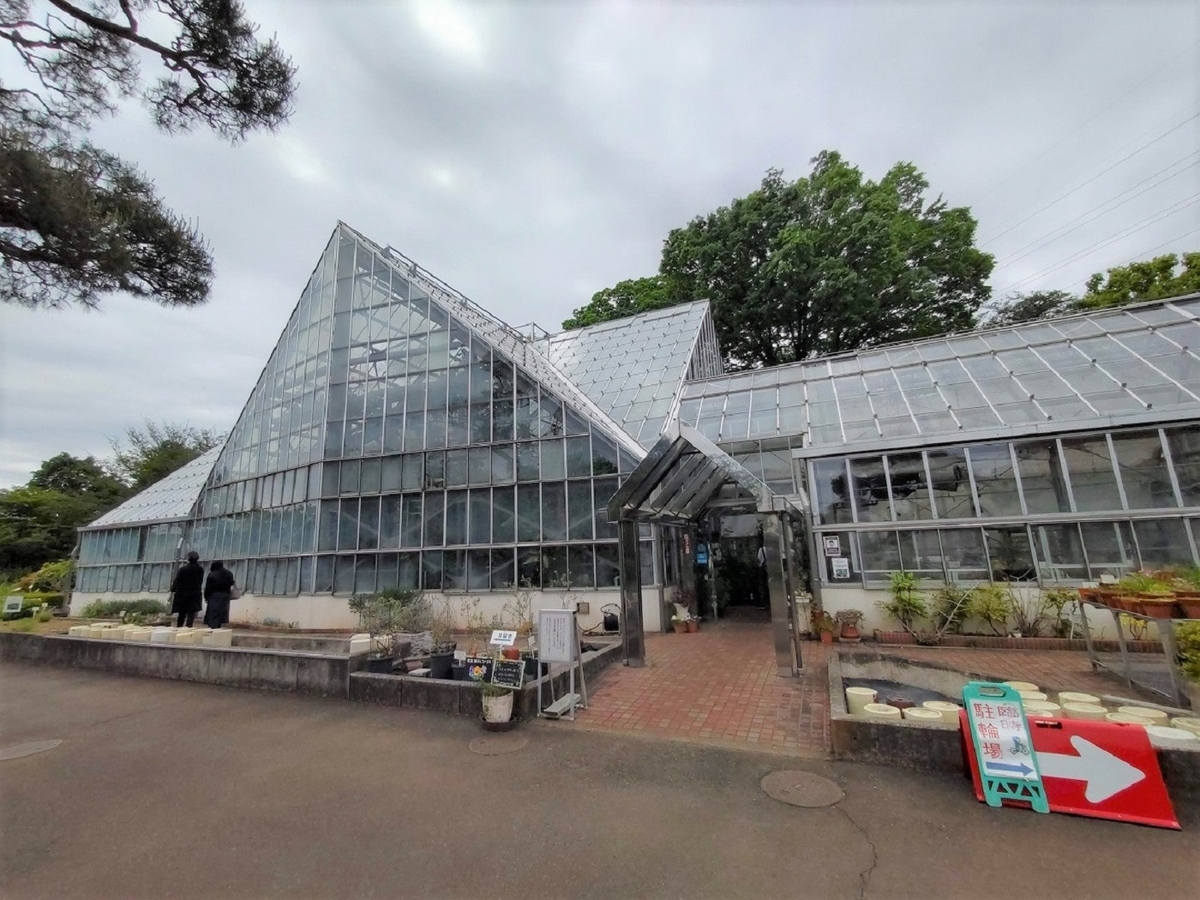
479,668
508,673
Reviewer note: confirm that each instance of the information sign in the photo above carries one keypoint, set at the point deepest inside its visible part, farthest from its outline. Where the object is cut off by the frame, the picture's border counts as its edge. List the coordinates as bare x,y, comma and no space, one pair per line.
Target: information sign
1003,748
833,545
12,603
502,638
556,635
508,673
841,568
479,668
702,554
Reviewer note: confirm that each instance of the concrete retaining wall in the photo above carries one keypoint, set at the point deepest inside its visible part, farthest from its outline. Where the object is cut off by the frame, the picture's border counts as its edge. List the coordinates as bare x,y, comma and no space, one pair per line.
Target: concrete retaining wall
462,698
315,674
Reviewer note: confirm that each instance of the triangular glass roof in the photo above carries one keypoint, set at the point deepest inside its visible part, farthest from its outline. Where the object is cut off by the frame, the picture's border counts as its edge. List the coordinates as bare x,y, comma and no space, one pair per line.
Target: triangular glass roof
171,498
633,367
1096,369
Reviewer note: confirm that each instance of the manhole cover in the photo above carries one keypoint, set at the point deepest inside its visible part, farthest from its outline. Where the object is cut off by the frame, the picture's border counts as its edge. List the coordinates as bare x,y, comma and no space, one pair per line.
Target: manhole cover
801,789
495,744
19,750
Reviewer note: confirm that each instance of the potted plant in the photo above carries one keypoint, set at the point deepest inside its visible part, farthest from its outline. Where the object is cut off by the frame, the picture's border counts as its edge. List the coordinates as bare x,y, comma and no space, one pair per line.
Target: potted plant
383,616
823,624
441,649
680,625
497,705
849,619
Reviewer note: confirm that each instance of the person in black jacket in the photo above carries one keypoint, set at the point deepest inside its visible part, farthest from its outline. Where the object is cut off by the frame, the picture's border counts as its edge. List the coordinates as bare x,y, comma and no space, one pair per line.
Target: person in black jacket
218,591
185,590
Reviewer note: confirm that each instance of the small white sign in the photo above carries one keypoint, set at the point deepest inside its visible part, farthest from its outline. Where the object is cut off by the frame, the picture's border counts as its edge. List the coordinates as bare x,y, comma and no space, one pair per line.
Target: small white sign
12,603
833,545
841,568
503,638
556,631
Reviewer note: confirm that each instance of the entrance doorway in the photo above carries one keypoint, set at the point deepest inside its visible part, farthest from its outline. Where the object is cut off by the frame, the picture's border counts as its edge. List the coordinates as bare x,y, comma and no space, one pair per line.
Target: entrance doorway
739,586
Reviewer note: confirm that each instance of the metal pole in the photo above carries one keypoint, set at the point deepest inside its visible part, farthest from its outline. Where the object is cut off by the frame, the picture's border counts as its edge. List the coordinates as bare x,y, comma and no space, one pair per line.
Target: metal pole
633,641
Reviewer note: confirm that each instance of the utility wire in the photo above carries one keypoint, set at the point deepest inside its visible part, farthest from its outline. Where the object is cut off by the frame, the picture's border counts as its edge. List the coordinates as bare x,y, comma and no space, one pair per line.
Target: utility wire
1177,207
1079,187
1041,242
1021,168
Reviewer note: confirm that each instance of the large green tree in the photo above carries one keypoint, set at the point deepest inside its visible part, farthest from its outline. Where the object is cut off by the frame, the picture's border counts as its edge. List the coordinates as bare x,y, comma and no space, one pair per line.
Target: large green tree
151,453
1029,307
626,298
38,520
1153,279
78,223
827,263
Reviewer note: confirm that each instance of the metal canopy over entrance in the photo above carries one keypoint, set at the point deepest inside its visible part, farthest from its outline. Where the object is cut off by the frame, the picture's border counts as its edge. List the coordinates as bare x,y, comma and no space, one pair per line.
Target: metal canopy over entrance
683,476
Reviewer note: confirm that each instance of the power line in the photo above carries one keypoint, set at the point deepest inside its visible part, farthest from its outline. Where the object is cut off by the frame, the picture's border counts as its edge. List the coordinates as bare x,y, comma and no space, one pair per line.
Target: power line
1078,187
1177,207
1041,242
1006,179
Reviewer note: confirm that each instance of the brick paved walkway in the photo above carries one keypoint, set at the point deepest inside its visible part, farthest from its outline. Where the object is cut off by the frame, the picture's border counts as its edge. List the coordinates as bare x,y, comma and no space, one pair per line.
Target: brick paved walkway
717,686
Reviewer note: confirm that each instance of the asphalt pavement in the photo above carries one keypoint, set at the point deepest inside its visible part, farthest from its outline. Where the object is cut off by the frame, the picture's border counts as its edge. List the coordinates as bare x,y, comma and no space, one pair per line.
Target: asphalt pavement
164,789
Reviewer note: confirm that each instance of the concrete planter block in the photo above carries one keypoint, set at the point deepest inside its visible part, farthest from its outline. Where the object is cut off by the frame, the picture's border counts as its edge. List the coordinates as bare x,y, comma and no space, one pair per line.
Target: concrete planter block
161,634
219,637
80,631
138,634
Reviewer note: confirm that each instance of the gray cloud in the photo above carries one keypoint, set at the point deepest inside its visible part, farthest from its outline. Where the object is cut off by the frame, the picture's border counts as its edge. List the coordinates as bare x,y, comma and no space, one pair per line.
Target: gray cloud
535,153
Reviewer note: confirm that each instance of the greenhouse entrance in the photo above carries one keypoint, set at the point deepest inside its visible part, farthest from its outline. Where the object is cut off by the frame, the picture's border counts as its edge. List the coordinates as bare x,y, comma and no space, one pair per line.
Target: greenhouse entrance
735,538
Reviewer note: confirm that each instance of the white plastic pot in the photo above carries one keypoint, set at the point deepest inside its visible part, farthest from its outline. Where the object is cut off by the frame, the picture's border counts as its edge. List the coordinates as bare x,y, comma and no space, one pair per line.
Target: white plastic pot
1187,723
857,698
1093,712
921,714
881,711
1166,736
1156,716
498,709
948,712
1021,685
80,631
161,634
1032,695
1120,718
1065,697
1043,709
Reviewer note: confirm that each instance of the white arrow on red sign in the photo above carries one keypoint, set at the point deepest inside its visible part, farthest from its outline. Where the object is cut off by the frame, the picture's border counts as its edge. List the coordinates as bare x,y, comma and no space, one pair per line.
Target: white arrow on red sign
1106,775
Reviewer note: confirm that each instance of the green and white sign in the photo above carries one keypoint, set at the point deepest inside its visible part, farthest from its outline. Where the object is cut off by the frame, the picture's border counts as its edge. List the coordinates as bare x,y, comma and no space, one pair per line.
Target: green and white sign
1007,764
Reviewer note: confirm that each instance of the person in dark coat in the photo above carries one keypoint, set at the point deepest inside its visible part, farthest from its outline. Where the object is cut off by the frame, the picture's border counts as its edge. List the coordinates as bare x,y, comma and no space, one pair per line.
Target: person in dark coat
185,589
218,591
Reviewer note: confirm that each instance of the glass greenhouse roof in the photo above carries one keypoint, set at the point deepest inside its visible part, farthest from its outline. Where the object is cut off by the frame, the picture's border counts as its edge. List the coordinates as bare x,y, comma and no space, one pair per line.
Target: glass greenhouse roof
171,498
1093,368
632,368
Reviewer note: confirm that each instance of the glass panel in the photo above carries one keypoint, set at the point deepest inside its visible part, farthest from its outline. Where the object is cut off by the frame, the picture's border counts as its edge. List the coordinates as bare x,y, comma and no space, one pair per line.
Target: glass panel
579,460
604,490
829,488
910,487
581,567
431,570
870,490
370,479
479,570
408,575
527,462
1143,469
529,567
456,517
880,555
1163,543
529,513
368,524
1041,477
479,466
579,504
480,516
846,555
1185,454
391,477
386,574
921,553
456,468
350,472
1091,470
1009,552
435,502
502,463
1109,548
995,481
554,567
343,575
604,455
553,467
951,486
503,521
389,522
348,525
502,420
364,575
410,529
608,570
554,511
414,471
323,580
435,470
963,554
1059,552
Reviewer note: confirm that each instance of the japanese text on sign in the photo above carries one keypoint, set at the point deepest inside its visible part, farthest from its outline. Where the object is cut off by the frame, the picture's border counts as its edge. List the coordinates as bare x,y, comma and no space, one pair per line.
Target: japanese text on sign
503,638
833,545
1002,739
556,635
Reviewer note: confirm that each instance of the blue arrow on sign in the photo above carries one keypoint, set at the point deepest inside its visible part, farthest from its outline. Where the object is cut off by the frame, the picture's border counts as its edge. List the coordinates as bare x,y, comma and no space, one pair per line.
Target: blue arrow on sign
1009,767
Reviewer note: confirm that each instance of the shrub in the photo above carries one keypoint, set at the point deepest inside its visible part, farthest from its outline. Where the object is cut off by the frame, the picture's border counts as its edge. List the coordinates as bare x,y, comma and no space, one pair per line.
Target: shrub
1187,644
49,598
951,605
992,604
907,605
53,576
111,609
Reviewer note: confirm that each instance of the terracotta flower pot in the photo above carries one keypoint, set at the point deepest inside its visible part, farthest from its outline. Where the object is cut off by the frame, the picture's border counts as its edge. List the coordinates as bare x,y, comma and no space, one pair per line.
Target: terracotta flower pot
1191,607
680,627
849,633
692,626
1158,608
826,637
510,653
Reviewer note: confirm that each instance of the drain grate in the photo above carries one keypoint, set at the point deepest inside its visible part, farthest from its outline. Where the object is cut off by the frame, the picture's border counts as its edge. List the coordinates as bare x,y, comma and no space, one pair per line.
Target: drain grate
801,789
19,750
496,744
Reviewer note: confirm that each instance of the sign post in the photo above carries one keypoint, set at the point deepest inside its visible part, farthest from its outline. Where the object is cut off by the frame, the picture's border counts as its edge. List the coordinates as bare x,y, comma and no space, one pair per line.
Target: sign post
1003,750
558,642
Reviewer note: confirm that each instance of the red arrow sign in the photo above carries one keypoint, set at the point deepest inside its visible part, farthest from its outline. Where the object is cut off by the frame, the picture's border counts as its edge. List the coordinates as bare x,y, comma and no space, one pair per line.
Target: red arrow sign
1099,769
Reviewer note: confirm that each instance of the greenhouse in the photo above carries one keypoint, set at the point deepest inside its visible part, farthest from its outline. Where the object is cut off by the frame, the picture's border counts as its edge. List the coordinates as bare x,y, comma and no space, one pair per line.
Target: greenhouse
402,436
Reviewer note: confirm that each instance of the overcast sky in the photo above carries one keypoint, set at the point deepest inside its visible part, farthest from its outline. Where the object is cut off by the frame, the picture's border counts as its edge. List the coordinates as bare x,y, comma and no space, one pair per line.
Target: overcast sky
532,153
